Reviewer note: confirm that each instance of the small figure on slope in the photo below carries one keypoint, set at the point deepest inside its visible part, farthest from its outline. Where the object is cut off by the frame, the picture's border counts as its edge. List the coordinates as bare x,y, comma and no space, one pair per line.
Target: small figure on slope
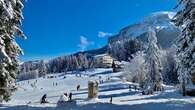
70,96
111,99
78,87
43,99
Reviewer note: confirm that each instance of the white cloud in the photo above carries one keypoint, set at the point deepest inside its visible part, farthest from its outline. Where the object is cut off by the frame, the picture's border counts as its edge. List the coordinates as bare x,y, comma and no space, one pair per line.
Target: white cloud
104,34
84,43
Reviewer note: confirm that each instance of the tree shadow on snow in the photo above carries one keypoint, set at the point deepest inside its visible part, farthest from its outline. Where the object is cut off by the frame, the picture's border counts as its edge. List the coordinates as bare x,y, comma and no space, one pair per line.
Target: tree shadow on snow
106,106
101,73
168,95
118,94
106,88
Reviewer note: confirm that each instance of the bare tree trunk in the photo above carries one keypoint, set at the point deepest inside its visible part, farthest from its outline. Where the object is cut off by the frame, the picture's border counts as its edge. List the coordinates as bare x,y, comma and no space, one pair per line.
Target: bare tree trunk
184,88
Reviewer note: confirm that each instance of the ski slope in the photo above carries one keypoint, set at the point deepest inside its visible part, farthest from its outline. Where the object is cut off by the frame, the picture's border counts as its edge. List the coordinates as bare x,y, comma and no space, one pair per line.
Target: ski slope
29,93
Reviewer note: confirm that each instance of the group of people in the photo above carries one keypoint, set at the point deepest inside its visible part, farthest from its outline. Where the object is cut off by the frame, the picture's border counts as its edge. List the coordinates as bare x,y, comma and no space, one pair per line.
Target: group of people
55,84
101,81
63,98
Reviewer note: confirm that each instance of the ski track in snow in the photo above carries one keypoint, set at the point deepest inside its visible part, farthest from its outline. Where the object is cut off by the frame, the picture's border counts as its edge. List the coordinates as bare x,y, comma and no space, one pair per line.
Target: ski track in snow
28,97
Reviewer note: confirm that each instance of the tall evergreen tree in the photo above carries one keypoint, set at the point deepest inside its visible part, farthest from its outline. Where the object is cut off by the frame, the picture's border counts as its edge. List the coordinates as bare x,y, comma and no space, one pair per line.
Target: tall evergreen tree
10,22
185,19
154,77
42,68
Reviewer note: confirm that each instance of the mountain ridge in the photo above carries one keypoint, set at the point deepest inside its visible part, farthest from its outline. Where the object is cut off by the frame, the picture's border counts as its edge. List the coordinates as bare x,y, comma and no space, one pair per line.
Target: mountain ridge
135,34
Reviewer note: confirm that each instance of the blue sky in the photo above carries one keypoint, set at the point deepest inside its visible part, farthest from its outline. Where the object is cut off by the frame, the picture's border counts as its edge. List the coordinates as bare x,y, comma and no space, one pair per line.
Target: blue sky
60,27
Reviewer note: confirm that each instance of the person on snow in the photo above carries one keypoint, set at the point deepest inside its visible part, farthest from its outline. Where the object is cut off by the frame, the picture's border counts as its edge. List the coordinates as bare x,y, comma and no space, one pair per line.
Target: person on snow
78,87
129,87
43,99
66,94
111,99
70,96
63,98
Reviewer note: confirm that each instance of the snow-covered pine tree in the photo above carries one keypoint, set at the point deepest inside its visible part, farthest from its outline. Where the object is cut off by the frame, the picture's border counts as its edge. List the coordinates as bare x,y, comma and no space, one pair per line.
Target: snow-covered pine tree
10,21
74,63
83,62
42,68
117,50
185,19
153,77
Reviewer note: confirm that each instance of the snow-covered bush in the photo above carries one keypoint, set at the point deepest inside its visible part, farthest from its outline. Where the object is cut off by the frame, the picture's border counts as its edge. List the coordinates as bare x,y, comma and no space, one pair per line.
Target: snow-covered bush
134,71
10,22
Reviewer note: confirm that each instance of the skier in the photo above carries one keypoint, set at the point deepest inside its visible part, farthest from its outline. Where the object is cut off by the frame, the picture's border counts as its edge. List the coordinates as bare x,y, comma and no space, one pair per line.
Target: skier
129,87
43,99
102,81
78,87
143,93
70,96
66,94
111,99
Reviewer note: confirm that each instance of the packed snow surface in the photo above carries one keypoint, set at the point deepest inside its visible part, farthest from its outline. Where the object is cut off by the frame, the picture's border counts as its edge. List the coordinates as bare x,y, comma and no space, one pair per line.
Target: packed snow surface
29,93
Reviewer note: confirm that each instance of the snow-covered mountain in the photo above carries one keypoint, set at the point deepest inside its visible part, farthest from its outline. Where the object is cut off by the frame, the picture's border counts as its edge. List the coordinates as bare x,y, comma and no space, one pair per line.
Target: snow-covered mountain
120,46
160,21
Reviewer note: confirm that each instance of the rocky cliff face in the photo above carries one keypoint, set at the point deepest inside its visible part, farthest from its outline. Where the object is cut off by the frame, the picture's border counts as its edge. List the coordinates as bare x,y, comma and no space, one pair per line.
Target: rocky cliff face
166,31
